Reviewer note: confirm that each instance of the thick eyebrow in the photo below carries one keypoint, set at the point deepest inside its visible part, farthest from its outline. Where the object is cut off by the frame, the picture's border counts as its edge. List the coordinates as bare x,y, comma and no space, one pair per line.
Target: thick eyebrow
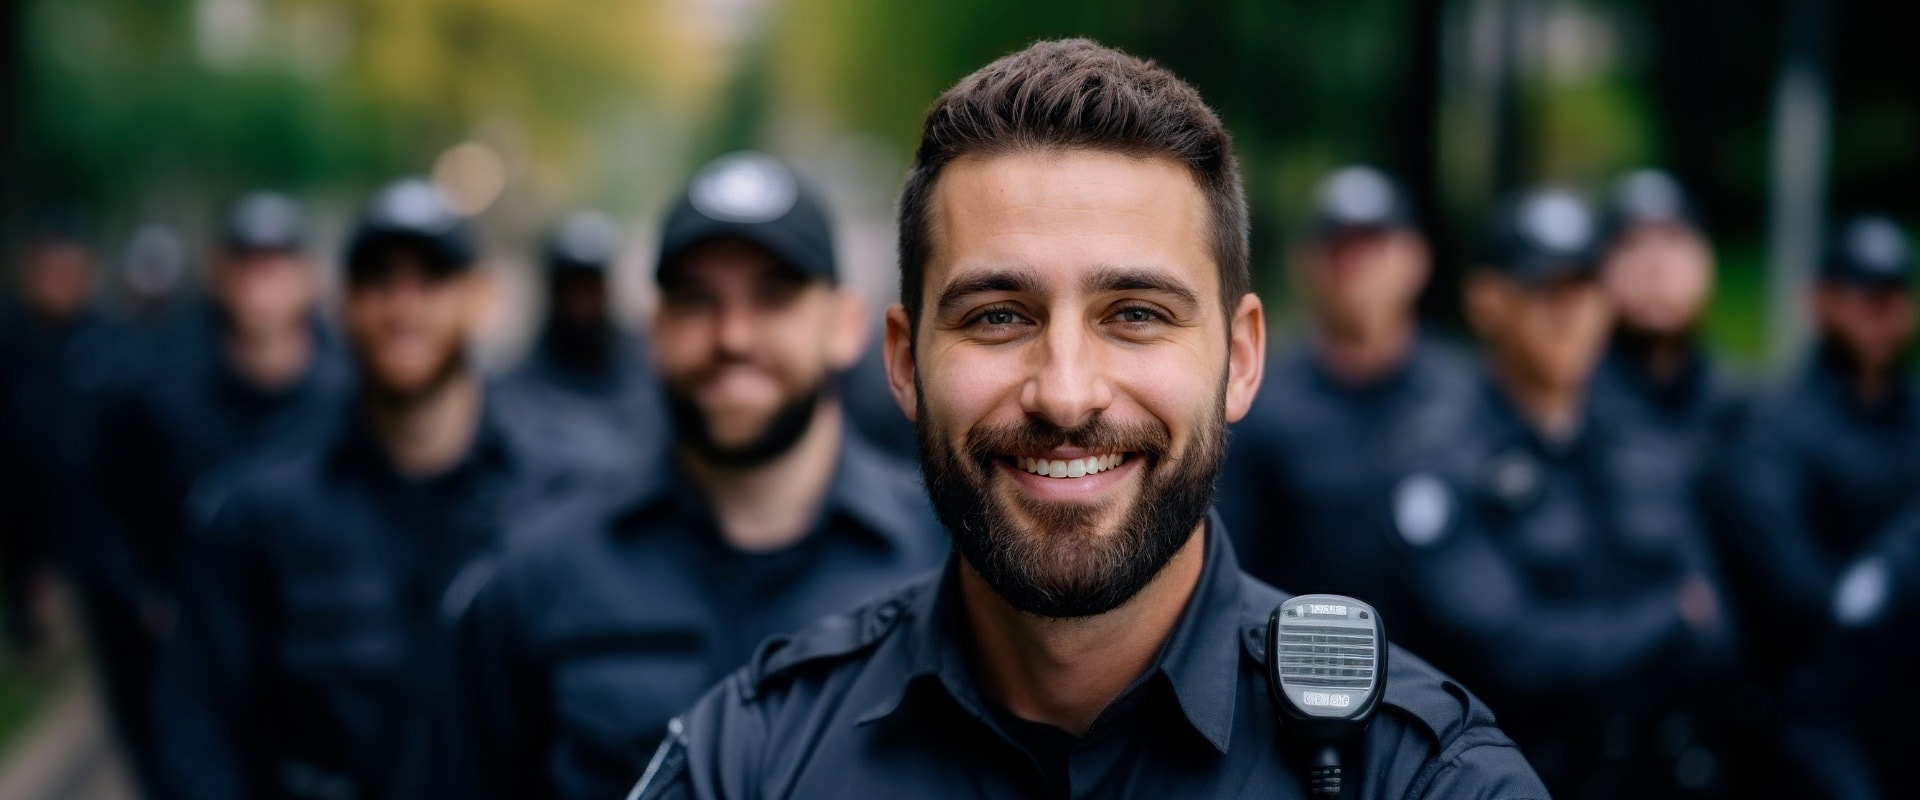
1108,280
1013,280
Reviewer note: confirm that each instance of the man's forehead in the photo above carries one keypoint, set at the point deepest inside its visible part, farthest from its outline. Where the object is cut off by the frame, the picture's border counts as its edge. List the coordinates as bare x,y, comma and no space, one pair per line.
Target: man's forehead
1060,214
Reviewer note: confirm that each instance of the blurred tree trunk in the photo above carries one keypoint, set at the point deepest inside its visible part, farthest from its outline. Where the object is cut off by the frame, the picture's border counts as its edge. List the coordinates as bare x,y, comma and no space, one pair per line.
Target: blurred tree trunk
13,65
1418,152
1801,127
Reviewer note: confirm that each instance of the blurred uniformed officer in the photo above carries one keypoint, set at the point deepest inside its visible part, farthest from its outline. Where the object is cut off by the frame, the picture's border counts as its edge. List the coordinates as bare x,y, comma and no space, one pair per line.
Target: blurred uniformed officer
1078,332
1341,418
1830,460
60,360
1560,562
583,363
234,374
310,599
768,514
1657,268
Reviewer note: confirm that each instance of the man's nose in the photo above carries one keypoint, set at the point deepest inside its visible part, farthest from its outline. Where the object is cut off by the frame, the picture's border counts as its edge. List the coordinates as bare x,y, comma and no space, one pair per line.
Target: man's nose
1069,381
734,328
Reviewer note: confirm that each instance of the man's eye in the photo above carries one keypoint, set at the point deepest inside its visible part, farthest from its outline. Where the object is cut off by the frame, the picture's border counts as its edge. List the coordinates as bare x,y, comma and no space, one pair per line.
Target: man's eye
1137,315
999,318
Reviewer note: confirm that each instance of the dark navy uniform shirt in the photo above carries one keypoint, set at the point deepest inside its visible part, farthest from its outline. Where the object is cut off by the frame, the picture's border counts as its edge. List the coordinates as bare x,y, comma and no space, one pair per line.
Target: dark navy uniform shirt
1699,410
584,643
1819,475
1549,573
881,703
191,413
309,606
1553,576
1308,486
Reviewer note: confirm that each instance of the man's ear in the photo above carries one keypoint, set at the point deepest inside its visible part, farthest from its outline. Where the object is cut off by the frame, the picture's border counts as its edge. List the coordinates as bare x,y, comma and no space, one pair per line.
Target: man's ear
1246,355
483,300
848,338
899,360
1484,300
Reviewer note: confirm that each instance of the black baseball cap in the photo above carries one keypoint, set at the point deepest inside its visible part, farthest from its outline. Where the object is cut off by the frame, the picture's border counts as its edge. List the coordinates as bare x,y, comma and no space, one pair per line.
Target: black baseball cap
264,222
584,241
751,197
1646,197
1869,250
1542,236
410,213
1359,199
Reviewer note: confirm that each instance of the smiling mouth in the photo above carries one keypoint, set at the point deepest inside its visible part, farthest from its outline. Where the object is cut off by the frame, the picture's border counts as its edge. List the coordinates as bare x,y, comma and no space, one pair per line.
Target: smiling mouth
1070,468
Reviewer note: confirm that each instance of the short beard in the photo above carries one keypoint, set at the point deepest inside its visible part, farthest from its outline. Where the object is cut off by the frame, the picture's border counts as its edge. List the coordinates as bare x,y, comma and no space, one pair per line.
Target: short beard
451,369
694,431
1065,569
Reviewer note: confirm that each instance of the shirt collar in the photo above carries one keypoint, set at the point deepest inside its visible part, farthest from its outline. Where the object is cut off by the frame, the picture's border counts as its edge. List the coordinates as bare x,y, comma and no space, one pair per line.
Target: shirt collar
862,491
356,448
1200,661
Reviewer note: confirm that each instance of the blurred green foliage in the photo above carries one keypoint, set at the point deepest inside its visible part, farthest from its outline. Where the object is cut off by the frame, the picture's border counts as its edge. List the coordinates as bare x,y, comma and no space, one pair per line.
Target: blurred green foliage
132,105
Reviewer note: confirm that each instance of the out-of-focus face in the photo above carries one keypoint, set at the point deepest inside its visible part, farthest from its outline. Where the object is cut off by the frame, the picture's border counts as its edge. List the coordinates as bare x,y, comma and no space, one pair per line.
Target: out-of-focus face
578,300
746,345
1073,371
1363,279
1659,277
58,278
1875,325
1549,335
409,324
265,290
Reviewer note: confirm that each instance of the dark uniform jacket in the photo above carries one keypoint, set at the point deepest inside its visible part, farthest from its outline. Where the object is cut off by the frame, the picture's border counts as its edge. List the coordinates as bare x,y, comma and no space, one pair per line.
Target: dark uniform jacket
307,642
1552,575
584,643
1820,474
1700,410
1311,469
880,703
191,413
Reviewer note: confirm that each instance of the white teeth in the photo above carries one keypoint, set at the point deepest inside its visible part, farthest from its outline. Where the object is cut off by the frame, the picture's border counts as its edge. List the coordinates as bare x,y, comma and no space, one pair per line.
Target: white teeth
1075,468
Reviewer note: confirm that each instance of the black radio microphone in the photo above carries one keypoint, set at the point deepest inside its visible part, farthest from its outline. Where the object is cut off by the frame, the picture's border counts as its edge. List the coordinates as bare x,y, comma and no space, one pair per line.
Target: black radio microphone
1327,668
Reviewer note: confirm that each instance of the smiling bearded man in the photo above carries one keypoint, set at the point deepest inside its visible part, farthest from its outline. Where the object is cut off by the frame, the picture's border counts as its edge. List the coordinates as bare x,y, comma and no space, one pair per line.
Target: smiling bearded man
1075,331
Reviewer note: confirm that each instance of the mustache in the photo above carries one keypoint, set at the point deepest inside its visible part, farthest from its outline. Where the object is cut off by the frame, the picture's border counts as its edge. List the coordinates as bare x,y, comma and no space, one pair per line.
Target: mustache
1032,435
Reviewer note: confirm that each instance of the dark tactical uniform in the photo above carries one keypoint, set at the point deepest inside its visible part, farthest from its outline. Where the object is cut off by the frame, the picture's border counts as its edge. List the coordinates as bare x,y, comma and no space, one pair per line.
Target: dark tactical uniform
583,645
307,644
191,414
1548,573
1821,481
56,381
1312,468
880,703
1700,409
1876,604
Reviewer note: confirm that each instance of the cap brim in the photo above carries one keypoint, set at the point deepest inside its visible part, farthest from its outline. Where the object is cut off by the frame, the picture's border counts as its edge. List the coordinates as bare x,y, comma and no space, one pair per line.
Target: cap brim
783,244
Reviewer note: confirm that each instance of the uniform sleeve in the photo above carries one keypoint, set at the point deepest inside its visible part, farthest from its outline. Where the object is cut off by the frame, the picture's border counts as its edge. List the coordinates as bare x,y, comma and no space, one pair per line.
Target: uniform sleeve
209,667
710,752
1488,616
1477,766
133,503
1763,503
487,732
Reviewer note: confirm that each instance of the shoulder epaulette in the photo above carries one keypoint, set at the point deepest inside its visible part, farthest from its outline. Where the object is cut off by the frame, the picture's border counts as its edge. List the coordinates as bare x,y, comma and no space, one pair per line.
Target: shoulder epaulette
830,640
